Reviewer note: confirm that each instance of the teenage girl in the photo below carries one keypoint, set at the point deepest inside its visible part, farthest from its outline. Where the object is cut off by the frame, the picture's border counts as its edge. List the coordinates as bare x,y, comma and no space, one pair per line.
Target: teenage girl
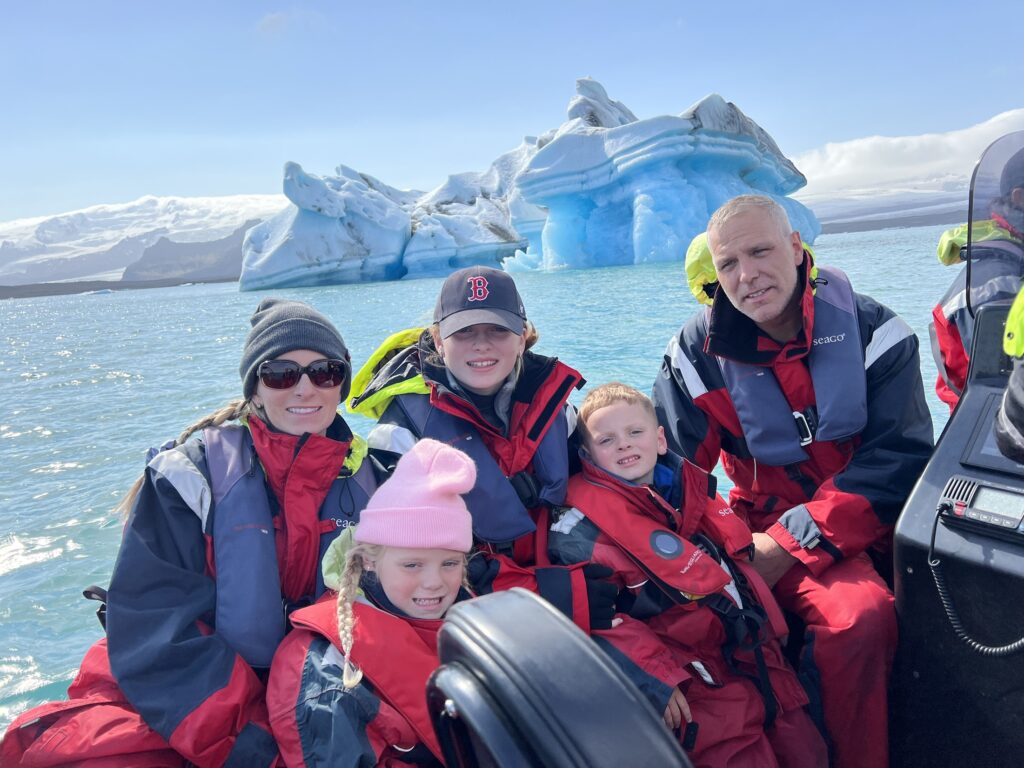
472,381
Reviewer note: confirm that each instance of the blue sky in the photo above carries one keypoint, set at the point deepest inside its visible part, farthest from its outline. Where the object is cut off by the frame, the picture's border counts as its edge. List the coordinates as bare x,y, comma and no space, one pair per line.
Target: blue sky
102,102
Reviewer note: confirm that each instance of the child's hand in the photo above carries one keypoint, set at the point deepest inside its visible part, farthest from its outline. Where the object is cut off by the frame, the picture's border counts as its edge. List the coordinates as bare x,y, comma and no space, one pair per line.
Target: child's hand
678,711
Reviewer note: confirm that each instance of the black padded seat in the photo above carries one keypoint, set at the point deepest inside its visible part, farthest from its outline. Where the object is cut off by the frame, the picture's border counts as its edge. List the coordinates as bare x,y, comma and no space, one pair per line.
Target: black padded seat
521,685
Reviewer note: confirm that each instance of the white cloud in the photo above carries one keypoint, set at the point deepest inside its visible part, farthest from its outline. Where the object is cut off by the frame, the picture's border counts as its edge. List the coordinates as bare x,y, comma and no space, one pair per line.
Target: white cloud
273,23
296,20
930,163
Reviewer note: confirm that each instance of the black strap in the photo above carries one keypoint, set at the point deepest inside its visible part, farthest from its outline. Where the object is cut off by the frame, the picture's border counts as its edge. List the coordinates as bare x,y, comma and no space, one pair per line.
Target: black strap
526,488
95,592
744,630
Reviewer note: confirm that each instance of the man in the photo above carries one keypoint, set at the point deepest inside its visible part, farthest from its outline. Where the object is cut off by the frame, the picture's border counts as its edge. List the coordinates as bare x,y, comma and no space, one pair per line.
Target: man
997,253
813,396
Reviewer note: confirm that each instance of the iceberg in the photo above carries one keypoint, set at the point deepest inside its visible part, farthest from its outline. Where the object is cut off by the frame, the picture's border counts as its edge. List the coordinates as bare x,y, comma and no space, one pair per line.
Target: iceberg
605,188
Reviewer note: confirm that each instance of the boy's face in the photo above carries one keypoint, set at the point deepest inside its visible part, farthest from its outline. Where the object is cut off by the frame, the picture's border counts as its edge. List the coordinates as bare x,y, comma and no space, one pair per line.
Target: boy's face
625,440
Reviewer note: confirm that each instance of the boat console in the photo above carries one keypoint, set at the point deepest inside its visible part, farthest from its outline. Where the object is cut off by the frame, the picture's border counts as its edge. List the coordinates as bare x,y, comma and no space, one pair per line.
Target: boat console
958,684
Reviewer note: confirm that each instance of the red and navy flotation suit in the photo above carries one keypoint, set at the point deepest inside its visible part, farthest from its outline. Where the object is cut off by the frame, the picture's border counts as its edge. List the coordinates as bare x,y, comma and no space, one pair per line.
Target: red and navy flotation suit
533,456
774,433
397,655
656,535
659,539
241,546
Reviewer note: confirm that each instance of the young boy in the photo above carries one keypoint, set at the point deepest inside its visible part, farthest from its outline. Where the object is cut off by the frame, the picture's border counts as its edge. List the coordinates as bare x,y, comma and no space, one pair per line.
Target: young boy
700,628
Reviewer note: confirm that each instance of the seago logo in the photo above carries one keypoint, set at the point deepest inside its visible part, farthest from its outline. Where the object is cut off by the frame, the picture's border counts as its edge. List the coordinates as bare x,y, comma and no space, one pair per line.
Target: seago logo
829,339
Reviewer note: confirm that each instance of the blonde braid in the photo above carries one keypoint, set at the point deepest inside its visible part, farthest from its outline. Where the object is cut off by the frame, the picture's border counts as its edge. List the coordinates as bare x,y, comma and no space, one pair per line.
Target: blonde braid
347,591
233,411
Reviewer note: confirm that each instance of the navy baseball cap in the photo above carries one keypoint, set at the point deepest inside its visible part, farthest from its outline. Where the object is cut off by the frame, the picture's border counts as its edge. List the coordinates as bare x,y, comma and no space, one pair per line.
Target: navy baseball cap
479,295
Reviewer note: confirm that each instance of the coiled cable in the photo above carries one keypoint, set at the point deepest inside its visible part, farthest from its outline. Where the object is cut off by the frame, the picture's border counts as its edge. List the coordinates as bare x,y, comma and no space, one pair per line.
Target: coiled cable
947,600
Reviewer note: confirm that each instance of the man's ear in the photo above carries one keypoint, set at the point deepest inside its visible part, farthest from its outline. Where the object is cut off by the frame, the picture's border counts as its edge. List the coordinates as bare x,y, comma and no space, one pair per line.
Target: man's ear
797,244
1017,197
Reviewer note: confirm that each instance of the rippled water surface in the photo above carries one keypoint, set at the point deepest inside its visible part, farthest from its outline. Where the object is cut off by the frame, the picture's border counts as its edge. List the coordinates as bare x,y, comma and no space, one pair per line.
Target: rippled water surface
89,382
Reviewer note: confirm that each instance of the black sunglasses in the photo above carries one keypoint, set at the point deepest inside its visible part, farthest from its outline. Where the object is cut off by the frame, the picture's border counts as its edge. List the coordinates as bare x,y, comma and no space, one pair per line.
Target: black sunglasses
285,374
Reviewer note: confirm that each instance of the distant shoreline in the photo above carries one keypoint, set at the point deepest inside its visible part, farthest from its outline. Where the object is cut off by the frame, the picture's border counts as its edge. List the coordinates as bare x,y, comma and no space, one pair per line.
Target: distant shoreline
85,286
33,290
896,222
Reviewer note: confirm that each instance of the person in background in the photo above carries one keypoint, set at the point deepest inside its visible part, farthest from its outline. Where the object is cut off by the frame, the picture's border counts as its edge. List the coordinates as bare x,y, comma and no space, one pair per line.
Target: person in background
997,271
1009,425
472,381
347,687
698,635
224,537
812,396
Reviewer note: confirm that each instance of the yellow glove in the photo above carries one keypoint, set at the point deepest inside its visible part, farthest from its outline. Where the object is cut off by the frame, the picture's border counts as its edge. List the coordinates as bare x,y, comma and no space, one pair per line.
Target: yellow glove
1013,336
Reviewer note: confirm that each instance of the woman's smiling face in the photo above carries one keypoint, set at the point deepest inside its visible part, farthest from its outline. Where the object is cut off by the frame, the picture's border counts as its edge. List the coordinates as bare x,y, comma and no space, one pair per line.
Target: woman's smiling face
302,408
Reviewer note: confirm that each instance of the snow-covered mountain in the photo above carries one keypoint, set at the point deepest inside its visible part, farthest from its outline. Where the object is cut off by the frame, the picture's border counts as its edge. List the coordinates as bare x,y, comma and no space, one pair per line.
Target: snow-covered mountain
100,241
889,181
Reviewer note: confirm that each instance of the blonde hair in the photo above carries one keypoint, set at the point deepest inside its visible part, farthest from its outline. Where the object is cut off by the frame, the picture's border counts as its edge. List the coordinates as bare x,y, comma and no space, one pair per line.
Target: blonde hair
233,411
348,590
608,394
742,204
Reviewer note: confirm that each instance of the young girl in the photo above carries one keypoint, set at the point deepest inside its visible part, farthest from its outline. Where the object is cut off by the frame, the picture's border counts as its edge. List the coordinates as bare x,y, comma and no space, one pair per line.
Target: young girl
224,536
347,687
470,380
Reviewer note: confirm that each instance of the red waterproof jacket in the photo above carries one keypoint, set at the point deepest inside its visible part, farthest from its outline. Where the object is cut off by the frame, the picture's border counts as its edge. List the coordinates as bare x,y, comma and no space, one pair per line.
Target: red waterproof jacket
631,529
383,721
176,678
997,269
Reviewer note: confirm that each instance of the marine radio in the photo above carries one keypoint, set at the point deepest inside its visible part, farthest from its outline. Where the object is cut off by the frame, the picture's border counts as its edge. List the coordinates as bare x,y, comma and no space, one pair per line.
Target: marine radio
994,509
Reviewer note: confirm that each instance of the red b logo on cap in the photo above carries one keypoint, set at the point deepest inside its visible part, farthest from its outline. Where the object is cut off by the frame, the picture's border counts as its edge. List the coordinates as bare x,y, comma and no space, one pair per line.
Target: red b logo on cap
478,288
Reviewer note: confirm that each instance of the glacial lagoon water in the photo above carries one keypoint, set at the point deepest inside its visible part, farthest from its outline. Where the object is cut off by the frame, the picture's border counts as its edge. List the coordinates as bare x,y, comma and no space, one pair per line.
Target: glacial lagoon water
89,382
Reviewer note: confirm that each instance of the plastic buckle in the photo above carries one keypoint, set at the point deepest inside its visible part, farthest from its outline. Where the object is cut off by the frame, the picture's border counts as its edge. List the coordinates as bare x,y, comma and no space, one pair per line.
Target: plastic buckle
804,428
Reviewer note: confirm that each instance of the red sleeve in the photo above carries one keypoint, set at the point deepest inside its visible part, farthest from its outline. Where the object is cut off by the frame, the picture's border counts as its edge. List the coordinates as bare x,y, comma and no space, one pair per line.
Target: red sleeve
645,649
950,358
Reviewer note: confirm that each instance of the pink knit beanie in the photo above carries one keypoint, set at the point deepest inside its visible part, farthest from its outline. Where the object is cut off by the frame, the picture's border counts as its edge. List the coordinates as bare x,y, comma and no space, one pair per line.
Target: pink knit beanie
420,504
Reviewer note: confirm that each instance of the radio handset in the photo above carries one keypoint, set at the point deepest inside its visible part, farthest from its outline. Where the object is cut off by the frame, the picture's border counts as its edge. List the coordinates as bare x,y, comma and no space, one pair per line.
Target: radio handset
954,512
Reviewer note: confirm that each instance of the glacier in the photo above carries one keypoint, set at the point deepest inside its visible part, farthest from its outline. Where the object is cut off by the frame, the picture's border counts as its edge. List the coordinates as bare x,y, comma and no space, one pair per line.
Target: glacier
100,241
605,188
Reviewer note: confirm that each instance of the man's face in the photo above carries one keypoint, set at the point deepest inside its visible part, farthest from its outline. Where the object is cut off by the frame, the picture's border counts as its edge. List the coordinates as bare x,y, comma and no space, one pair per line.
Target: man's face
757,268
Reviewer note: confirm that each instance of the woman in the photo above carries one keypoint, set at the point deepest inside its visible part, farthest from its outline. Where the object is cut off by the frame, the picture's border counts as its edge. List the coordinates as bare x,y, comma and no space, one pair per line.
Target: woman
223,539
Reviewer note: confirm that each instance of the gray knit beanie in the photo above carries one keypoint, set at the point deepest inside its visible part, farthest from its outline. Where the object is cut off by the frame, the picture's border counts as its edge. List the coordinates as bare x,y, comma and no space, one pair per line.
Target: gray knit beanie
279,326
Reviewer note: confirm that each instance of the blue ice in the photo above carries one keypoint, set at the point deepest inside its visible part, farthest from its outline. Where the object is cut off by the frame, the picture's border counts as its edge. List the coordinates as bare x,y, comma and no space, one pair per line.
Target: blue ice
605,188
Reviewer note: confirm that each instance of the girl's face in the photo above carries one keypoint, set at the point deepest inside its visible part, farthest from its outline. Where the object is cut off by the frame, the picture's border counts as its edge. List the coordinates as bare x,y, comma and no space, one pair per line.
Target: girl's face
421,582
482,356
302,408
